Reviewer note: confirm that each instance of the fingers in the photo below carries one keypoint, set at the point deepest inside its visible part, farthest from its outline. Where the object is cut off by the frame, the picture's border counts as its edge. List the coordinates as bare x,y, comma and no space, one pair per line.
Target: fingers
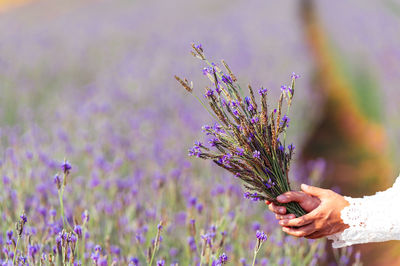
300,221
292,196
314,191
285,217
277,209
300,232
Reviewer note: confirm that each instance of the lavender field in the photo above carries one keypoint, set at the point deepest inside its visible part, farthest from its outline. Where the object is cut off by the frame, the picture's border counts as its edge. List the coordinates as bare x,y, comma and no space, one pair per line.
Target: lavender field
89,85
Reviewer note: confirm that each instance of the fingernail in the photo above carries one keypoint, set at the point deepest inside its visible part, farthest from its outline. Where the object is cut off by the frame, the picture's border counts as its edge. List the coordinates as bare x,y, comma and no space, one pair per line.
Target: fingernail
282,222
281,210
304,186
281,198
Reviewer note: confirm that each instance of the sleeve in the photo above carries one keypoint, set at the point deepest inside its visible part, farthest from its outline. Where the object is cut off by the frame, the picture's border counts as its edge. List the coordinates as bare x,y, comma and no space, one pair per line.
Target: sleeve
371,218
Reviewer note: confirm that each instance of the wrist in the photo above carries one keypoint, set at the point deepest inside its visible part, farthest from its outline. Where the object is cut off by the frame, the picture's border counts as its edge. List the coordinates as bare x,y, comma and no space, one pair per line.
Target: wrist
344,204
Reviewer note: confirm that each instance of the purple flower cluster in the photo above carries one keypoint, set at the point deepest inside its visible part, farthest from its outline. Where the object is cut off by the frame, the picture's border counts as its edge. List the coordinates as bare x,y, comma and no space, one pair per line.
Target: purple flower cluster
261,236
226,79
262,91
285,121
239,151
294,76
252,196
209,93
256,154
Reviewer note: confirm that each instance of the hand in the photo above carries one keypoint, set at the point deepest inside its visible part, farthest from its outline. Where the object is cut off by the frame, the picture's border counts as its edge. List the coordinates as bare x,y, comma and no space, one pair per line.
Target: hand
307,202
324,220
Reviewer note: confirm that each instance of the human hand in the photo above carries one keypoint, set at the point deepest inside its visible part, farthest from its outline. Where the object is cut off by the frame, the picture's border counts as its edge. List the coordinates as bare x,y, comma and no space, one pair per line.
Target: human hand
307,202
323,220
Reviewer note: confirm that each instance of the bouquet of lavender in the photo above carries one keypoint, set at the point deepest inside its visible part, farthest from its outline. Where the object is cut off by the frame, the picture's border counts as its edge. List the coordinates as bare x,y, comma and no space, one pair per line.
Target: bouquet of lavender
246,141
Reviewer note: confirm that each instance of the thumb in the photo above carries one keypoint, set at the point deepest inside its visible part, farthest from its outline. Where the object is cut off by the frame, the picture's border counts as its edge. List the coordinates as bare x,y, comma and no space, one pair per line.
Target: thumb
313,191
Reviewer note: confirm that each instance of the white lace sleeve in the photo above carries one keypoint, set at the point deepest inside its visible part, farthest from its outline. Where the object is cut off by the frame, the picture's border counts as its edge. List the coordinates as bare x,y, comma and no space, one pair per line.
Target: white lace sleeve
371,218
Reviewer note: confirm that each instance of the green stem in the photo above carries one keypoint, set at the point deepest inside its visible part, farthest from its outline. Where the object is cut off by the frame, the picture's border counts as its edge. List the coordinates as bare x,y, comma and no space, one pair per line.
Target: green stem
77,247
152,257
60,195
15,250
82,253
254,258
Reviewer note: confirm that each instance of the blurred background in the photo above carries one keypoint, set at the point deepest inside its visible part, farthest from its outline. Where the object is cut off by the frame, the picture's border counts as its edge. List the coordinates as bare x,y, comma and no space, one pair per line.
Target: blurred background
92,81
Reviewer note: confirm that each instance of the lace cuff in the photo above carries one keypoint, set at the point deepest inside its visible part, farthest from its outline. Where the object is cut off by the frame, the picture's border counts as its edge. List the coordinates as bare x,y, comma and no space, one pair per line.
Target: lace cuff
370,219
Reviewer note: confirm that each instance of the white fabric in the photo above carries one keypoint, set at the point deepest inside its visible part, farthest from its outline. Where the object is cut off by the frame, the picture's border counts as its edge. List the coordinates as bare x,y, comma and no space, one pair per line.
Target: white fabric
371,218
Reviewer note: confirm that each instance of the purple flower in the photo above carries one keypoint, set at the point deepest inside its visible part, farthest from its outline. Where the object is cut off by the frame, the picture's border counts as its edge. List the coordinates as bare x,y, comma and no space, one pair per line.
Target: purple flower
261,236
72,239
213,142
254,119
225,159
32,250
239,151
95,256
268,185
97,248
85,217
226,79
256,154
218,128
247,195
134,261
173,252
223,258
208,70
192,244
161,263
294,76
207,238
192,201
24,219
284,88
195,151
115,250
66,167
234,104
291,147
102,262
209,93
53,212
248,103
285,120
78,230
199,47
57,181
59,239
256,226
262,91
252,196
10,234
22,259
281,148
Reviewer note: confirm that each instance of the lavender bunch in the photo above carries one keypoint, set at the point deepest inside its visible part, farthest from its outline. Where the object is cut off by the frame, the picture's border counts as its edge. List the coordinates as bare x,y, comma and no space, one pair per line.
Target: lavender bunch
246,140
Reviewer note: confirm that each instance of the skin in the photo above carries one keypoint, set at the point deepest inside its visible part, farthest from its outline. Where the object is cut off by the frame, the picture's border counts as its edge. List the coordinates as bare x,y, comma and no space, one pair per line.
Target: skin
323,217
